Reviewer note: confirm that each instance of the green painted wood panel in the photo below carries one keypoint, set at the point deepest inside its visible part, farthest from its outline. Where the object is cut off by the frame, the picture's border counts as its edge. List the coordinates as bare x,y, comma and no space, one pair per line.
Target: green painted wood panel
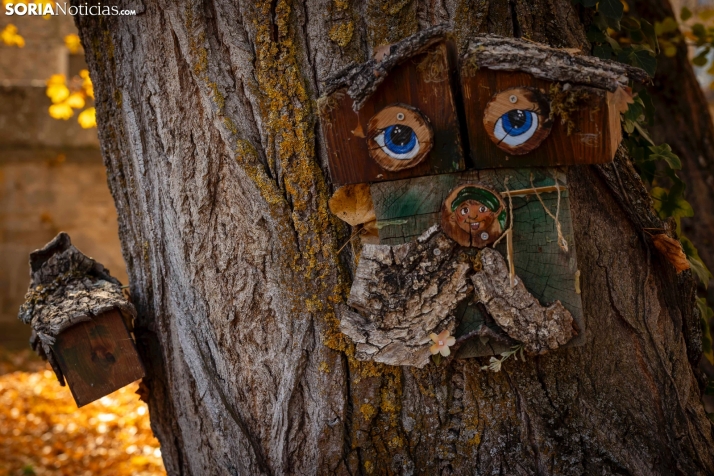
407,208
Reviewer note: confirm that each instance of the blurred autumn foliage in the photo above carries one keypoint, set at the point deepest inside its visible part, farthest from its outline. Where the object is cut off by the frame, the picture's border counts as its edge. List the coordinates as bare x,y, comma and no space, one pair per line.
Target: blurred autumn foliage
68,96
43,433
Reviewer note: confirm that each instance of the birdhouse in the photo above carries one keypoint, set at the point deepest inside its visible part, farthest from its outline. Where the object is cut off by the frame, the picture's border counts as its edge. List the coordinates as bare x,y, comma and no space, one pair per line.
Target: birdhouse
407,126
529,105
80,318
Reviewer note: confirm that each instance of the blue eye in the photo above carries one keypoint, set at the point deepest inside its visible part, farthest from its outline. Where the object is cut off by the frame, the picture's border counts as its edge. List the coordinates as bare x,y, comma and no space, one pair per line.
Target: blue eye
515,127
398,142
399,137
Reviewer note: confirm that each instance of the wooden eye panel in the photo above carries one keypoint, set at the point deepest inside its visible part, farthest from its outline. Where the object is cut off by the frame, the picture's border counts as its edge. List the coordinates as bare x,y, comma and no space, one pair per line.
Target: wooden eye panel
595,129
415,84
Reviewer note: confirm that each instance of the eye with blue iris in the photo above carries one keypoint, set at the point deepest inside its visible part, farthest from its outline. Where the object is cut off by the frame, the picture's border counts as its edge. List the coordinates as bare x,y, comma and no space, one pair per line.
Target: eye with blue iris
517,120
516,127
399,137
398,141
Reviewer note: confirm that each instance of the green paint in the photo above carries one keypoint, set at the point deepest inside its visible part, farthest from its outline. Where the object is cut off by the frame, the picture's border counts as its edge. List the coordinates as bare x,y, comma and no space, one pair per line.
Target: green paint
407,208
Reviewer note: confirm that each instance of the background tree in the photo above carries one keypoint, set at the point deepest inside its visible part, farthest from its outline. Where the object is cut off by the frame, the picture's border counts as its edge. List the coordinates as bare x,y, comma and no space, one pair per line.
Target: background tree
207,121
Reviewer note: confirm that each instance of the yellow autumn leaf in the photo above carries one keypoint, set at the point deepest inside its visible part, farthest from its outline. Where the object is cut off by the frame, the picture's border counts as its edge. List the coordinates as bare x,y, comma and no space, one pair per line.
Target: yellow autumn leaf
87,83
41,4
56,79
75,101
353,204
10,36
109,436
88,118
57,93
72,42
61,111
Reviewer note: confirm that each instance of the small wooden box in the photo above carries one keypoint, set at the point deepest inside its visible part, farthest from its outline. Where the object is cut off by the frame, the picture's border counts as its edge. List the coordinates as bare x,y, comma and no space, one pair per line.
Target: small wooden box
419,82
97,357
593,140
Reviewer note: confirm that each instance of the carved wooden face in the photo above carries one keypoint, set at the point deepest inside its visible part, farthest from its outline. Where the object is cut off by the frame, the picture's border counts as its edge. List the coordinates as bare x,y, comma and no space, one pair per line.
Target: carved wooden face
473,215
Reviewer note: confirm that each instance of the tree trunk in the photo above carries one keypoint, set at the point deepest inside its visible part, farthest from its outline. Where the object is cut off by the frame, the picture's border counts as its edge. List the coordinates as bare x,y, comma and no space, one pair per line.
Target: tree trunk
215,160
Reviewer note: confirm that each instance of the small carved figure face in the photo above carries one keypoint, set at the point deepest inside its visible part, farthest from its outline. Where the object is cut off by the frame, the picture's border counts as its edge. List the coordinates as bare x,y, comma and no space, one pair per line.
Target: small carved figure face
473,215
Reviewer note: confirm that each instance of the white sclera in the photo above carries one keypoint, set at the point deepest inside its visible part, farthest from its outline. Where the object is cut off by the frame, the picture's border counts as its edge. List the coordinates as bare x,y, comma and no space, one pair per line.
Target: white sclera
515,141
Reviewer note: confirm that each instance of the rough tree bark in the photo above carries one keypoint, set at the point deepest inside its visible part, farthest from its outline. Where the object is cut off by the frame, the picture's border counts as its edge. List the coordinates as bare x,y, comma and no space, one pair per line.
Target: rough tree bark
208,130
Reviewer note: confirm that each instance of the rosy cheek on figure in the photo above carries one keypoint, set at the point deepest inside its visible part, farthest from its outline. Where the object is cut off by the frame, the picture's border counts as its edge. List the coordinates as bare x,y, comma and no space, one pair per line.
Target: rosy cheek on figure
463,214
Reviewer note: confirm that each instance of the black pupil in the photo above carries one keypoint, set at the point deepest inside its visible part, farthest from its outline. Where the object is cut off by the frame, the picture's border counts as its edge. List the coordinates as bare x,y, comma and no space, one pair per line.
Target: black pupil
517,118
401,135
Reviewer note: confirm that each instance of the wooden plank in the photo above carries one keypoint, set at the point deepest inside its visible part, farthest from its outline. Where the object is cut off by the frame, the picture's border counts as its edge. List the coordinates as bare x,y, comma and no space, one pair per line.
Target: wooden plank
422,82
97,357
406,208
593,140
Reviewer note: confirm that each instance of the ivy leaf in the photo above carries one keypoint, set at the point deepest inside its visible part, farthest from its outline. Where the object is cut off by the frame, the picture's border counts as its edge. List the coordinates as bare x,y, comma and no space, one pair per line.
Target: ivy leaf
614,44
643,132
702,58
668,25
649,31
630,23
706,14
595,35
706,314
639,37
635,111
645,60
700,32
611,9
646,99
603,51
664,152
685,14
698,266
671,203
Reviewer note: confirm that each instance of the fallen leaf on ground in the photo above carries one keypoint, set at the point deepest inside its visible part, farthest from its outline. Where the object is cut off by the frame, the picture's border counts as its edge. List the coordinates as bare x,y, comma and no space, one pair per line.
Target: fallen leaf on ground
42,432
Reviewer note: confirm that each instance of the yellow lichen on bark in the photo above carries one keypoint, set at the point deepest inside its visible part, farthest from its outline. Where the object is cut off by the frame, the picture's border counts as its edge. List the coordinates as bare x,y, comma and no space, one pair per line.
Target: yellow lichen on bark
342,33
391,21
286,105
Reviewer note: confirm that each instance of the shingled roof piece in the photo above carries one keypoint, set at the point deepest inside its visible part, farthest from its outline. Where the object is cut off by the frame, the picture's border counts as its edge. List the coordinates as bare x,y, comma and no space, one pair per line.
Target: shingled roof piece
67,288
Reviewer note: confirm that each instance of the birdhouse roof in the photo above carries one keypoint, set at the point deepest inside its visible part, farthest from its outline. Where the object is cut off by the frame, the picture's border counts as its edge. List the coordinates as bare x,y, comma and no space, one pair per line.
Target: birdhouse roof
486,51
552,64
68,288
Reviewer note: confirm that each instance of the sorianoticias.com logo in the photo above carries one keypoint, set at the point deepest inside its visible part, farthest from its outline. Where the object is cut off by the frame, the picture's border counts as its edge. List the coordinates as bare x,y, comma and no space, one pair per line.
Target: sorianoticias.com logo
56,8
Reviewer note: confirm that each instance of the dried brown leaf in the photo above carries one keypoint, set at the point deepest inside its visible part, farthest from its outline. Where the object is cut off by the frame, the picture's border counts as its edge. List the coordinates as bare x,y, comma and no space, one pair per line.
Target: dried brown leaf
380,52
353,204
672,250
622,98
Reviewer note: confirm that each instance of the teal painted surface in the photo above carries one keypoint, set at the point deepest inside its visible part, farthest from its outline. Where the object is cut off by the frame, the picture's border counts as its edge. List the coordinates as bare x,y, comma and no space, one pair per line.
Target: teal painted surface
407,208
